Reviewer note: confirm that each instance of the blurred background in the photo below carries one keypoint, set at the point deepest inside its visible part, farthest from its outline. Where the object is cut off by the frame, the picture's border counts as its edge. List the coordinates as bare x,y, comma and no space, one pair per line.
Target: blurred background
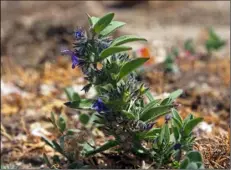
34,74
32,32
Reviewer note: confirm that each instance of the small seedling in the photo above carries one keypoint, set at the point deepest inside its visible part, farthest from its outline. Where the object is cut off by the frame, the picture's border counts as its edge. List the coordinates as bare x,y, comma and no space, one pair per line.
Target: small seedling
170,64
214,42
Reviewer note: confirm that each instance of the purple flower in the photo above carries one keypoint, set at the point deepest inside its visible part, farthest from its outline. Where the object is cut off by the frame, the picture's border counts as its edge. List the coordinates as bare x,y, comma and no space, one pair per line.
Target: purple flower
167,118
99,106
74,58
149,125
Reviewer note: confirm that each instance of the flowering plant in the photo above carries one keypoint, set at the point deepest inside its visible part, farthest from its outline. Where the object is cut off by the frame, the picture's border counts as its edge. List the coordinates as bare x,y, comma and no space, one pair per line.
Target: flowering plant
124,107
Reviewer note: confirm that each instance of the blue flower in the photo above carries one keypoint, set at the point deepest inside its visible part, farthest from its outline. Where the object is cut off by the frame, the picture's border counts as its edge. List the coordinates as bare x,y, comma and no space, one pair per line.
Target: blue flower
99,106
79,34
177,146
74,58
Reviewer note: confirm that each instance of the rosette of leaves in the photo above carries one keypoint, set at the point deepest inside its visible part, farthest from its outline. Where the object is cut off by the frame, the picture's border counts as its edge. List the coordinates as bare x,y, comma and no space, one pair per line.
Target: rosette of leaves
120,107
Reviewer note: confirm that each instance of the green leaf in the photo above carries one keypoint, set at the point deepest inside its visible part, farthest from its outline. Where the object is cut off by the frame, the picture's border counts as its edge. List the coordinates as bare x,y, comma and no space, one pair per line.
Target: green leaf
191,124
82,104
166,133
192,165
103,22
72,104
113,26
184,163
93,117
176,133
47,141
149,106
143,89
176,94
61,141
126,39
85,103
150,134
57,147
112,50
166,101
84,118
76,97
194,156
162,133
52,118
116,104
176,115
71,94
87,87
149,96
61,124
155,112
187,119
212,34
189,46
172,97
94,20
128,115
200,165
175,51
214,42
102,148
98,123
46,160
191,139
131,66
96,119
87,147
176,123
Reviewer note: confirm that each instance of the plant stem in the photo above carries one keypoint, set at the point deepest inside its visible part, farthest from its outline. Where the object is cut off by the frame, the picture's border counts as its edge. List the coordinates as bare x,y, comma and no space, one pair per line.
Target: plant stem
160,163
106,146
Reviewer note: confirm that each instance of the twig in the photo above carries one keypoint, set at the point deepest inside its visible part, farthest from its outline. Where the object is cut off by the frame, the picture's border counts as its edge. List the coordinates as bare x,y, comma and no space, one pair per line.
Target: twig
219,166
4,133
